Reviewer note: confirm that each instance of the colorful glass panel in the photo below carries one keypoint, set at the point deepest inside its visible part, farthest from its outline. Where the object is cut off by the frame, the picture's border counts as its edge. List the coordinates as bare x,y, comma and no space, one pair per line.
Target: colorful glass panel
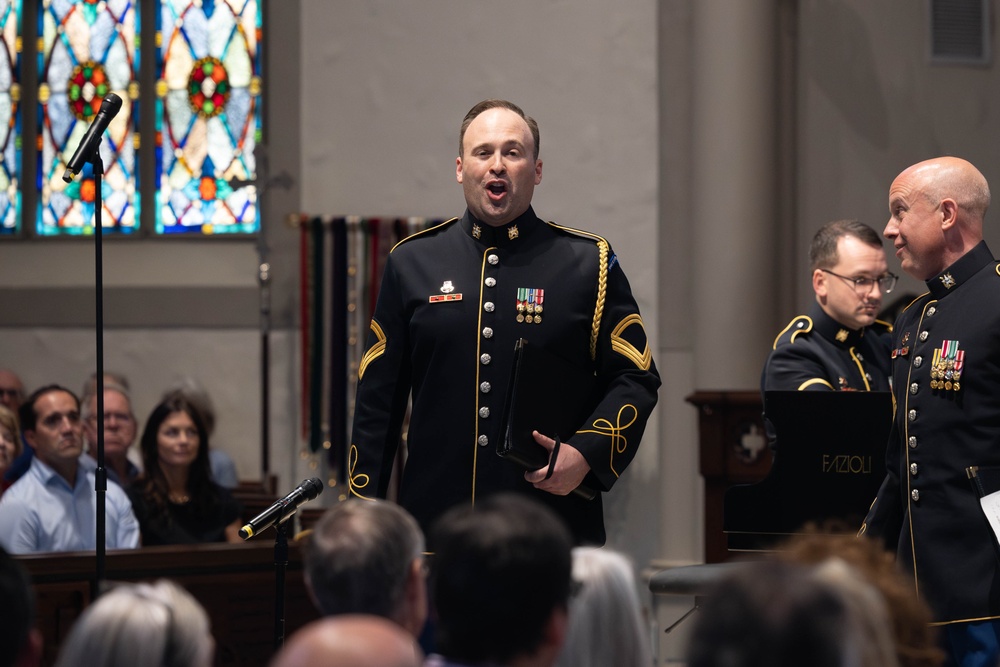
10,117
208,118
87,48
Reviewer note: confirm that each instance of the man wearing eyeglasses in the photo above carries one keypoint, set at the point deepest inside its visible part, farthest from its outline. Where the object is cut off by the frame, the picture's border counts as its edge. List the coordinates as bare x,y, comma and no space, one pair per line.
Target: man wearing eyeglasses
839,345
53,507
119,433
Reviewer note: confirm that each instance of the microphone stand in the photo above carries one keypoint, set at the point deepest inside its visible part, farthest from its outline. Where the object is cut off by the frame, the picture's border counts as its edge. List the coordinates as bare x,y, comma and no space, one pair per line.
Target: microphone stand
101,474
89,150
280,564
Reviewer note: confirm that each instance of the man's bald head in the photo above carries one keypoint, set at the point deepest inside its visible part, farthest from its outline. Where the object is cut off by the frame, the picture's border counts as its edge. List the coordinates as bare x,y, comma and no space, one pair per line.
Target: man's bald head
350,641
936,212
952,177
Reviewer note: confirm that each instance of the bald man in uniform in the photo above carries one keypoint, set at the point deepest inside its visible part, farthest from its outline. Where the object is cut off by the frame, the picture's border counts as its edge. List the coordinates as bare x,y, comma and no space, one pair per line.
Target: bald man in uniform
946,381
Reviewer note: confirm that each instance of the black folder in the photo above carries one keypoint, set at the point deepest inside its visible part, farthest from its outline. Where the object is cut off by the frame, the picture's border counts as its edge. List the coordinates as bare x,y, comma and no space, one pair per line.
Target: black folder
547,394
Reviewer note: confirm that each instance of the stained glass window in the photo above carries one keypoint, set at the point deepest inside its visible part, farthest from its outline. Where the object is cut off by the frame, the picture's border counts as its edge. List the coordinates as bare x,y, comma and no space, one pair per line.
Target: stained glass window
87,48
10,117
208,118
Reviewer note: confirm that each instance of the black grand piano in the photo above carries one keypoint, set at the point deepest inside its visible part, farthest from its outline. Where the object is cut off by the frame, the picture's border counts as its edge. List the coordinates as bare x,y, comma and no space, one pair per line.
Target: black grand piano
829,463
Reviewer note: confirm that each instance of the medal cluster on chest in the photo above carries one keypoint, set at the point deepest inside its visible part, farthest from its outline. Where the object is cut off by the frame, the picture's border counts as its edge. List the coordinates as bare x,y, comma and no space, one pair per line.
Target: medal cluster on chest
946,366
530,302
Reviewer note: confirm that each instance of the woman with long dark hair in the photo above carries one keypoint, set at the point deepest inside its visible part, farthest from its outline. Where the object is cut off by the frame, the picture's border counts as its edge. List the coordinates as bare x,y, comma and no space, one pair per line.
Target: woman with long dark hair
176,501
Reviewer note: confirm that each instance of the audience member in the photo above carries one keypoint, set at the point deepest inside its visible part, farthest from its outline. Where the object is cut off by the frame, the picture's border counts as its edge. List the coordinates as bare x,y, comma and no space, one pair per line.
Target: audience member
221,463
11,396
11,389
916,641
500,584
875,644
366,557
53,507
605,618
350,641
176,500
773,614
140,624
119,432
10,443
20,640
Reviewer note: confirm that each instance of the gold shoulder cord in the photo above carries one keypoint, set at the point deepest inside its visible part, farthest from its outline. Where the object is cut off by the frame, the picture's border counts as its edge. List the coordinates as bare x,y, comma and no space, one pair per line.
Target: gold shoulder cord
602,290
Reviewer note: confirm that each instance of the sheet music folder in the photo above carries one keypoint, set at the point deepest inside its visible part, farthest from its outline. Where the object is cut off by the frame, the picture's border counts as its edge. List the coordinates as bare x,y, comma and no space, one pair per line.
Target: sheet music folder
829,464
547,394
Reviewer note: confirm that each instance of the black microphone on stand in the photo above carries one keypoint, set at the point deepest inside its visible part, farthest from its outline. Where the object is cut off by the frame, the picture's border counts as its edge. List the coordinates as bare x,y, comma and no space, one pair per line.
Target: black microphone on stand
283,509
110,107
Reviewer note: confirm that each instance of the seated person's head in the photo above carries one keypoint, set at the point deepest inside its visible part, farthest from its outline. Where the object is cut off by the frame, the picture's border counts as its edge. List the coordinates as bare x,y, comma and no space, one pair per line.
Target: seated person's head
175,436
10,438
11,389
350,641
366,557
915,640
140,624
194,393
605,616
119,421
842,252
500,581
20,640
773,614
50,421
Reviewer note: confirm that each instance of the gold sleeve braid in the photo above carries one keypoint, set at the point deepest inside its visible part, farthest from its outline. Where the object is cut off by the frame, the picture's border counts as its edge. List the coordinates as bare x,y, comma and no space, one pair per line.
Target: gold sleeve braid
375,351
602,290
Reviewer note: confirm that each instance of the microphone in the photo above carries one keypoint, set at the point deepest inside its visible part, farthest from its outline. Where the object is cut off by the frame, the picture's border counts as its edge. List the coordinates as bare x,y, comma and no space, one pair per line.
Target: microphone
110,107
283,509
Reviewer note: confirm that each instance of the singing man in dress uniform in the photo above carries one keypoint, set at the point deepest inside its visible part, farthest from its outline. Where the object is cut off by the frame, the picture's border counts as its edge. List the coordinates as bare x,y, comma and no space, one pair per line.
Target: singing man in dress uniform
946,381
839,345
454,299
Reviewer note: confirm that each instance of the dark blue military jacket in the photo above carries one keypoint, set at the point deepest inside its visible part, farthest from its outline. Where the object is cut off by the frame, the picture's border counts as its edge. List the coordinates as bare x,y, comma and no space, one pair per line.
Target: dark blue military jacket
451,306
815,352
946,381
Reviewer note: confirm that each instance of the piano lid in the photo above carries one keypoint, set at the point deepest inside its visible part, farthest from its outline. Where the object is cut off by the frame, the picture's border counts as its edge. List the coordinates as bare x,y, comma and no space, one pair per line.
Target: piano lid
829,463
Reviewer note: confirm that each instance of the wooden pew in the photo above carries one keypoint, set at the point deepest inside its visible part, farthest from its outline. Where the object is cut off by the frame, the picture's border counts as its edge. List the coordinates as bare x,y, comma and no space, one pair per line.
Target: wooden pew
235,584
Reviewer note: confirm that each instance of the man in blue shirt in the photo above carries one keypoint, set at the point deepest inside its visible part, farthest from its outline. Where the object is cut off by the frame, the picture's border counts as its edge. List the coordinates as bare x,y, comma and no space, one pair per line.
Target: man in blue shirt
53,507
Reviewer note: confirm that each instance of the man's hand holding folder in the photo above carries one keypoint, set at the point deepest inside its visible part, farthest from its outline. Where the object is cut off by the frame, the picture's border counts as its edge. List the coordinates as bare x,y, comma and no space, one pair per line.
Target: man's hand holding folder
565,471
